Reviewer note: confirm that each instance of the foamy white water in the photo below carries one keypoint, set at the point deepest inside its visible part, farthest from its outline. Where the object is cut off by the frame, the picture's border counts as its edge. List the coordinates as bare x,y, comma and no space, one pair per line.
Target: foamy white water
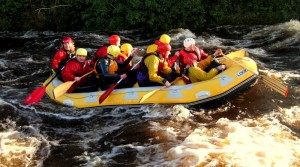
246,143
18,148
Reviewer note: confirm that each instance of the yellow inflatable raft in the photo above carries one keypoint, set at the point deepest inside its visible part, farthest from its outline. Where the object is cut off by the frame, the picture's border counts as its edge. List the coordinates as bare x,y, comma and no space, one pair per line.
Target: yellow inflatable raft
240,73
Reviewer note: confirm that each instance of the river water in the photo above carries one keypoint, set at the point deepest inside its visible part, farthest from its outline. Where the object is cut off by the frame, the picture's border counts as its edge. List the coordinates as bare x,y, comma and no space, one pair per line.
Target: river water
258,127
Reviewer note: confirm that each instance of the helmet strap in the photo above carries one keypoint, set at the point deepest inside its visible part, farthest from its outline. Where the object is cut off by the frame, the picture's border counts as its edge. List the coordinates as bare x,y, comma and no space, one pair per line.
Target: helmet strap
111,56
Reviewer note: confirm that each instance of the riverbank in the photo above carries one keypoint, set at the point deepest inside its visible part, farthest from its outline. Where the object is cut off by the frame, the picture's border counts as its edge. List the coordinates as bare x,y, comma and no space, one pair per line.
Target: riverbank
148,16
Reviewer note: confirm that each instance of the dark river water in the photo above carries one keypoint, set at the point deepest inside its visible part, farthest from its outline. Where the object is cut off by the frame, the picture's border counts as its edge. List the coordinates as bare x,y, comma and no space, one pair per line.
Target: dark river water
258,127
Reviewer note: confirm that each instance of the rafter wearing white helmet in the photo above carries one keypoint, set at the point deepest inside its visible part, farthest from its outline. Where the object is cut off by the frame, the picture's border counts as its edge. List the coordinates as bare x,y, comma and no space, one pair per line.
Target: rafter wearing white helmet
188,42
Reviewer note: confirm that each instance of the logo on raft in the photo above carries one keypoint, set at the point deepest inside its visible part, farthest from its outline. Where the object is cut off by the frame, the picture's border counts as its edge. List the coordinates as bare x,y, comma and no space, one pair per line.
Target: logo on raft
241,73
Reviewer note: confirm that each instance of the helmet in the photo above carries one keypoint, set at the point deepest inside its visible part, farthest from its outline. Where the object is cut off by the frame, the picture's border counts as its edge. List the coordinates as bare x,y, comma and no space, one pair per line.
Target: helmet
165,38
101,52
126,47
189,58
151,48
114,39
81,52
66,39
188,42
163,48
113,50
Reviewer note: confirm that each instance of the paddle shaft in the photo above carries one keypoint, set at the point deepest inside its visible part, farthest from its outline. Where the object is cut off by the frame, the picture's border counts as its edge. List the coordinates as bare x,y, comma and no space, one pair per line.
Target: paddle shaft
51,80
120,80
111,88
256,73
64,87
83,76
88,73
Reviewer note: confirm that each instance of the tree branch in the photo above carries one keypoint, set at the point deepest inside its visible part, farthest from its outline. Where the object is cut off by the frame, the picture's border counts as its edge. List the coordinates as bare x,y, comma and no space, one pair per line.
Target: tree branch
52,7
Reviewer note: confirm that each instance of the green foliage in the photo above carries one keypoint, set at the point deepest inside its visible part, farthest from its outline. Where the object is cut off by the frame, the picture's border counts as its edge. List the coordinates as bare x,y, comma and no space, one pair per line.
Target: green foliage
147,15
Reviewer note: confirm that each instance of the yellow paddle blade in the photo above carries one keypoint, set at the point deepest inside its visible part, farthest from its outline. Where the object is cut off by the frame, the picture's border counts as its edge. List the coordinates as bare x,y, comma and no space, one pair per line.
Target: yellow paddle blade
146,96
275,85
62,88
240,53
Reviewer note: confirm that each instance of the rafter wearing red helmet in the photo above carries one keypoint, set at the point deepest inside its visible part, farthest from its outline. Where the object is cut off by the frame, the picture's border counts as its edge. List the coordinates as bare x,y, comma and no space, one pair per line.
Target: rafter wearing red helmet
63,55
101,51
154,69
114,40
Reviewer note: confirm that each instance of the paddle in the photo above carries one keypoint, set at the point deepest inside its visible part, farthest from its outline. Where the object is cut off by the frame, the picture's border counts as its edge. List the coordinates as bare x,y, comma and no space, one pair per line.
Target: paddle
275,84
37,94
64,87
146,96
112,87
271,82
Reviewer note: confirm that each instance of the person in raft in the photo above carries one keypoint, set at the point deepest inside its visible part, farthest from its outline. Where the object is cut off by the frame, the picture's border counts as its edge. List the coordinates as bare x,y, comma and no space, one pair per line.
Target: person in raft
166,39
107,68
63,55
77,67
101,51
154,69
195,73
126,51
189,47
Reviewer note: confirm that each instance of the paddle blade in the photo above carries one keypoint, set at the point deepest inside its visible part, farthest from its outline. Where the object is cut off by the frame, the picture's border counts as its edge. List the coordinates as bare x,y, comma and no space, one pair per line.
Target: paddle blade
107,93
146,96
240,53
275,85
62,89
35,96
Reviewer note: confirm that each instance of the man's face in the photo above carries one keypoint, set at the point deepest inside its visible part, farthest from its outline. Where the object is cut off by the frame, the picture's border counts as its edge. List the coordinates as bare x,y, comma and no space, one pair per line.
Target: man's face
81,58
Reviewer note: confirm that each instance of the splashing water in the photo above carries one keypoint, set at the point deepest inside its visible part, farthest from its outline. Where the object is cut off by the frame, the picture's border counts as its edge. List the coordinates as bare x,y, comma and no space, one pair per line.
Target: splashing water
261,142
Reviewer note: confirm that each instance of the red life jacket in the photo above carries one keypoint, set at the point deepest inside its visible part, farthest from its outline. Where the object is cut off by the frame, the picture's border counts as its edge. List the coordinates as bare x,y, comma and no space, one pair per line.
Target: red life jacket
60,59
